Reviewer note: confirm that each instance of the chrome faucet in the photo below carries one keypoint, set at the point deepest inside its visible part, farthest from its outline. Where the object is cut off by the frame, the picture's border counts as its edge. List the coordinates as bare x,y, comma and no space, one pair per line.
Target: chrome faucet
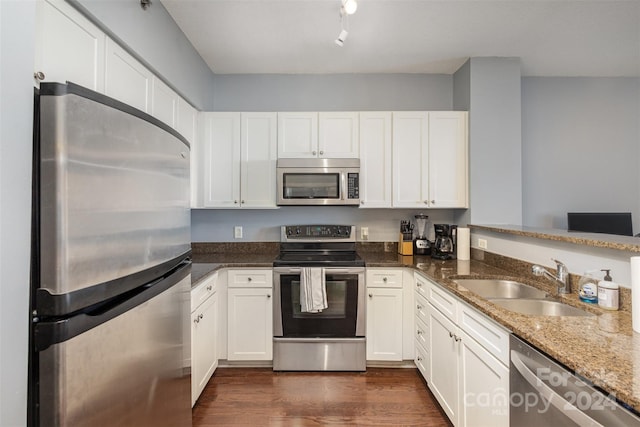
561,278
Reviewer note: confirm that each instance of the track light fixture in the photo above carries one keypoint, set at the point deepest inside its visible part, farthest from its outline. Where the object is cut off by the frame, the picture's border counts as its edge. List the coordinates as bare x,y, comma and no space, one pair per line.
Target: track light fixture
349,7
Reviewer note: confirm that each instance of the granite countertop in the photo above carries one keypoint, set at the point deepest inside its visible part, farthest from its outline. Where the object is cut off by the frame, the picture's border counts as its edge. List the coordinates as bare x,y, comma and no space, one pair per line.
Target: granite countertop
602,348
608,241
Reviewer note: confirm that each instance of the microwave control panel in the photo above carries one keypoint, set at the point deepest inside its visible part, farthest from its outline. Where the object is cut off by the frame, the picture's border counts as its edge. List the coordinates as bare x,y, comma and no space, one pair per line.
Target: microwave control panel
353,185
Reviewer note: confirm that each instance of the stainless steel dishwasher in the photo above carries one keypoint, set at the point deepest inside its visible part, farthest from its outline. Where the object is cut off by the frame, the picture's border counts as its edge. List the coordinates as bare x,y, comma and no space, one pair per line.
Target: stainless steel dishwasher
545,393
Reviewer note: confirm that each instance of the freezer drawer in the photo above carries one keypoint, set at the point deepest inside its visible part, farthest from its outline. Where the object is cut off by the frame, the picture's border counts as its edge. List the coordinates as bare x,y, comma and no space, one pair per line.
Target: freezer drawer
130,371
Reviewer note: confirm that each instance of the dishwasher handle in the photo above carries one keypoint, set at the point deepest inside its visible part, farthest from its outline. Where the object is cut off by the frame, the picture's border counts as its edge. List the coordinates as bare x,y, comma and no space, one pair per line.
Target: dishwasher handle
549,394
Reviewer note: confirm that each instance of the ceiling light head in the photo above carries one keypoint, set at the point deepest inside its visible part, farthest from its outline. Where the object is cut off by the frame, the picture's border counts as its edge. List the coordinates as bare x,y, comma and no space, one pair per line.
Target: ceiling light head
341,38
349,7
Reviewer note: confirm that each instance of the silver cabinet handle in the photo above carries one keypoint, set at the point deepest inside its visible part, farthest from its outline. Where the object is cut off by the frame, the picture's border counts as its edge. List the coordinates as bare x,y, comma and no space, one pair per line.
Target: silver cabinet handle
419,284
384,279
242,201
433,202
248,279
235,201
457,338
419,307
39,75
314,152
426,202
362,202
370,295
450,334
268,295
419,358
209,287
321,152
419,332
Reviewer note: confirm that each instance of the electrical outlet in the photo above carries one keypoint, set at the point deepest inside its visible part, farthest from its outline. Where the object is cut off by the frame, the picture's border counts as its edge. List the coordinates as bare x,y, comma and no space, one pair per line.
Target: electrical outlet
237,232
482,243
364,233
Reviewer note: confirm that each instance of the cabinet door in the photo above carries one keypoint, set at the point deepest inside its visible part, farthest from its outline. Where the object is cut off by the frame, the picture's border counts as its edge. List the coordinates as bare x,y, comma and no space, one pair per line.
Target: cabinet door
384,324
484,386
410,159
221,166
338,135
448,177
444,363
68,46
203,345
258,163
297,135
375,160
126,79
250,324
164,102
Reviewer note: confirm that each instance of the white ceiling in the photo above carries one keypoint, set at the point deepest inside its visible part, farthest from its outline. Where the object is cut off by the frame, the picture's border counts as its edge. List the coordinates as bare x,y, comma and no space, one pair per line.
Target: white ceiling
552,37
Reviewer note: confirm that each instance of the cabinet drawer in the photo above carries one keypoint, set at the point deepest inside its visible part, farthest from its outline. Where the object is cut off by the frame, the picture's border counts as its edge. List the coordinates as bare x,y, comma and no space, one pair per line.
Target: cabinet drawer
422,333
422,285
384,278
250,278
204,290
421,308
487,333
422,362
443,301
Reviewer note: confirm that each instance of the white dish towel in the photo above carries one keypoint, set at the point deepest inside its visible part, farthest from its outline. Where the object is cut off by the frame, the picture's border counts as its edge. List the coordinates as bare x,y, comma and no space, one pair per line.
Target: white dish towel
313,290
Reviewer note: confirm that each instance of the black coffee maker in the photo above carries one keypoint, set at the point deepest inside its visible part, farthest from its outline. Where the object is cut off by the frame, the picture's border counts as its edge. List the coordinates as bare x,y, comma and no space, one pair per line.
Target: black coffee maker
445,243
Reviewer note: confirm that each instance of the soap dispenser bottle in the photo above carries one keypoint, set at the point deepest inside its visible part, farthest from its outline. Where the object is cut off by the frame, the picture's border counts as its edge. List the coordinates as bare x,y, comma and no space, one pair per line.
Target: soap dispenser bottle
608,292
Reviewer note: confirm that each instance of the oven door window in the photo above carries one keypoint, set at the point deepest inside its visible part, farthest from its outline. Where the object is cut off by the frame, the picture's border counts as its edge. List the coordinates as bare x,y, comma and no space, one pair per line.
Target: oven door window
338,320
311,185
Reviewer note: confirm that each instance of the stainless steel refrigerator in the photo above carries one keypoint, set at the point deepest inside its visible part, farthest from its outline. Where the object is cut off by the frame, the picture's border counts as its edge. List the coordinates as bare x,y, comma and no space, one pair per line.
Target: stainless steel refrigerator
110,335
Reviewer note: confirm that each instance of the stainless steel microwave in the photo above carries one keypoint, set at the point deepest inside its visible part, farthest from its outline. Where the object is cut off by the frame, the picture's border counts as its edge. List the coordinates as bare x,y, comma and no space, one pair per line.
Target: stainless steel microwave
318,182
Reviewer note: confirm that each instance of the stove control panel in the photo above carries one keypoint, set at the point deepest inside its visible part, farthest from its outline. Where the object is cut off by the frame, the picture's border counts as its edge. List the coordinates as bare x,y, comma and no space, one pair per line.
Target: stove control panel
318,232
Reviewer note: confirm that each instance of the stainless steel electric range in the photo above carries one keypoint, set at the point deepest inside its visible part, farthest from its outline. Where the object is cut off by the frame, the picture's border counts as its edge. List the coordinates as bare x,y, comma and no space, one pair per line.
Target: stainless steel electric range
332,339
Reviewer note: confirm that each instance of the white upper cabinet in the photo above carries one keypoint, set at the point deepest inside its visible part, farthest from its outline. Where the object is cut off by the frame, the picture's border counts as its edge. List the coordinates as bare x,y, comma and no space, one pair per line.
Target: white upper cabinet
410,159
258,152
164,102
126,79
338,135
186,120
375,159
239,168
324,135
430,159
221,166
448,170
68,46
297,135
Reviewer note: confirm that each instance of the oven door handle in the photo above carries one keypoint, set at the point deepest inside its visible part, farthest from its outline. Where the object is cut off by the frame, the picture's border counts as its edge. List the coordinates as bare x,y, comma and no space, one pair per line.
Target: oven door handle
287,270
569,410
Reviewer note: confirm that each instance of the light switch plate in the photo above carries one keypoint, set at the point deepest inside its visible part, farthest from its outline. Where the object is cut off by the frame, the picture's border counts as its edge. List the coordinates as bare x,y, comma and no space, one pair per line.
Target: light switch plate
237,232
482,243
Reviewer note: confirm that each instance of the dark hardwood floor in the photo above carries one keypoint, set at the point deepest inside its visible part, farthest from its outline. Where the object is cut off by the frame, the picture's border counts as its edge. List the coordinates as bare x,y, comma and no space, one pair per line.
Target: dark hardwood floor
261,397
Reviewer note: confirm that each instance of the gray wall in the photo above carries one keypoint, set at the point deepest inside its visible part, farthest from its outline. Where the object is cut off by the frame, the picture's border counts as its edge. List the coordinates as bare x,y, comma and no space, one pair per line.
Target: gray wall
332,92
580,148
489,88
264,225
17,43
156,40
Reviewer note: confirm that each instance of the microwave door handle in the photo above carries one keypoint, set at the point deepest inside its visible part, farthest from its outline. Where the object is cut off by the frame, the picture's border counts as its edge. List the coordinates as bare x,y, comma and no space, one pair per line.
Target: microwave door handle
342,185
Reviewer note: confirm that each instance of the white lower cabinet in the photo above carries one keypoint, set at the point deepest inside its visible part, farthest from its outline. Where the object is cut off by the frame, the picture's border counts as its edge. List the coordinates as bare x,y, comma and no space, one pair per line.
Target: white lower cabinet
249,315
384,314
463,356
204,330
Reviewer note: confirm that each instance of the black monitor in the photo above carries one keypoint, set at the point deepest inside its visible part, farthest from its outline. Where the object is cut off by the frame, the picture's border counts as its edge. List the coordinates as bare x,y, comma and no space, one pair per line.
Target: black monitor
609,223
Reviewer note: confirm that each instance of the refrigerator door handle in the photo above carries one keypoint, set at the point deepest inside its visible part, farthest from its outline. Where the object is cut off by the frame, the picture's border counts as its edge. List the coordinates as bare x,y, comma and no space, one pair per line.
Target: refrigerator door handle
49,332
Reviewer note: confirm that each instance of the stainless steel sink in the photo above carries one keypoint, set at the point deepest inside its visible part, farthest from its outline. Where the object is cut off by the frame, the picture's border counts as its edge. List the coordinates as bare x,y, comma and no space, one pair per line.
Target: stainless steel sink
493,288
539,307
